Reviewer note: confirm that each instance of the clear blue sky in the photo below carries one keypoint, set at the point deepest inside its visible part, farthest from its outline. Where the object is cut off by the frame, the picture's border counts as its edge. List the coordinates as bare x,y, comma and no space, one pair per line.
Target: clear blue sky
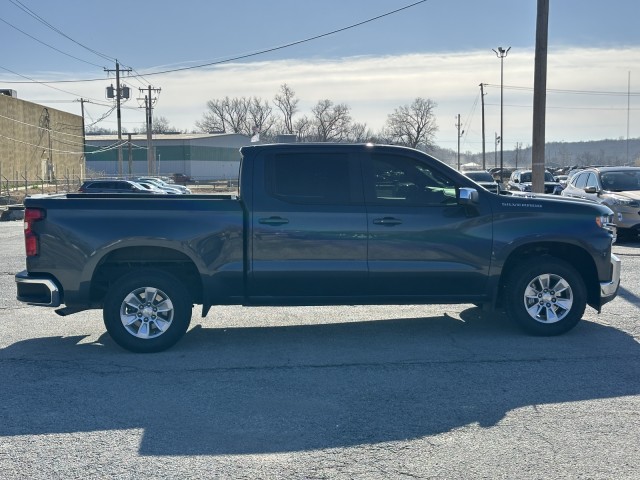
153,36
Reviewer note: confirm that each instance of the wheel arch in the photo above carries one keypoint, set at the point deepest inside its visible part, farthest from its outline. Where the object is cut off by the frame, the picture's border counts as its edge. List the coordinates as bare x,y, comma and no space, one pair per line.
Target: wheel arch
574,255
118,263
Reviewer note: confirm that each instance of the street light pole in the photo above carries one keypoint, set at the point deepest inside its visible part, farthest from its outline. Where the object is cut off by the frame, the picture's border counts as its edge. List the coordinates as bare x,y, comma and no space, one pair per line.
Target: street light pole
460,133
501,53
495,151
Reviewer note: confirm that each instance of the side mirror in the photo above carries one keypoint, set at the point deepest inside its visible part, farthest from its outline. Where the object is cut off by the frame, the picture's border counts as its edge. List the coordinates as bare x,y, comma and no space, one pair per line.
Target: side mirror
591,189
468,196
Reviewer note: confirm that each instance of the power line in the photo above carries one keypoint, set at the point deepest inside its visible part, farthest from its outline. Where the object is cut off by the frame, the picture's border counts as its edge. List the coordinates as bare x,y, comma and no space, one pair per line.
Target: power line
291,44
31,13
251,54
45,84
563,108
573,92
39,127
105,149
47,45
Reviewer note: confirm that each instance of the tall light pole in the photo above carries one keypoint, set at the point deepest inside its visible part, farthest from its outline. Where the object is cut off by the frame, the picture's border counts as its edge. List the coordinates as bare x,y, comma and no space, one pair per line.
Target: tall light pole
501,53
495,151
484,161
460,133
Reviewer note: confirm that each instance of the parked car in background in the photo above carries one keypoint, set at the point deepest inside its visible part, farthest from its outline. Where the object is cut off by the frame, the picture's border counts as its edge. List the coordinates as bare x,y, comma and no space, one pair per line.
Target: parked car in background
562,179
152,188
181,178
167,187
112,186
616,187
521,181
484,179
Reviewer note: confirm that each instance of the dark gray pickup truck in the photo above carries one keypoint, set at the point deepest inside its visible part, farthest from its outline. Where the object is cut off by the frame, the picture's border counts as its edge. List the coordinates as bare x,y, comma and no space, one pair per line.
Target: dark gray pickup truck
317,224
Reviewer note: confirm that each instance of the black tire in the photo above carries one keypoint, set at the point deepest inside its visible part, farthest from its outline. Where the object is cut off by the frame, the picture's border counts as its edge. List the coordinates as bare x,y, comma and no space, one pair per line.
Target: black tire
147,311
545,296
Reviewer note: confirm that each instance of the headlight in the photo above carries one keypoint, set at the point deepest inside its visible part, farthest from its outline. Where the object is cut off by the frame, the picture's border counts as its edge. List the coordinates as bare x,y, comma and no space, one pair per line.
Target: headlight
624,202
605,221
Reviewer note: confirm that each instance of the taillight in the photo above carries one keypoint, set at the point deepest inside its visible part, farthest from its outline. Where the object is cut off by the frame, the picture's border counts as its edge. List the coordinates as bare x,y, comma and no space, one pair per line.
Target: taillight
31,215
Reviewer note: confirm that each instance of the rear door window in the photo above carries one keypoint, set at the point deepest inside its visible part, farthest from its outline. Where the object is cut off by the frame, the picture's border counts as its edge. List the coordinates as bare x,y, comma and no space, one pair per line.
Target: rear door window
309,178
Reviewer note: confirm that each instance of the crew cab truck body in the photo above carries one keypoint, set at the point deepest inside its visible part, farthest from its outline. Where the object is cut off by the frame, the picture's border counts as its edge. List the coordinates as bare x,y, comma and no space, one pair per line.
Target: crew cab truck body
317,224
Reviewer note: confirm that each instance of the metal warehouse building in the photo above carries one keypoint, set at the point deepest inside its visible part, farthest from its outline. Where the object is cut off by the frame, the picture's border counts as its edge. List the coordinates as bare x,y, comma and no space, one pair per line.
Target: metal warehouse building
200,156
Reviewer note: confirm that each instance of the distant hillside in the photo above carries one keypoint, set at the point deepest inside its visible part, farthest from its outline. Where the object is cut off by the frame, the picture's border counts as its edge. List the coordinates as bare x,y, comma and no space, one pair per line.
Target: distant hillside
558,154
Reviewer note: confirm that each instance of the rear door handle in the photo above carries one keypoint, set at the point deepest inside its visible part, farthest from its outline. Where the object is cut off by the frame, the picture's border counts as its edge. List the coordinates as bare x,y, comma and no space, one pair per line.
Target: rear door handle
275,221
387,221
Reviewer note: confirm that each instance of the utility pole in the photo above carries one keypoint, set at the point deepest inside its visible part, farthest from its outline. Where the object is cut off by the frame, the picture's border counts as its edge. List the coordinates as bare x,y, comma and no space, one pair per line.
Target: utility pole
539,98
119,92
460,133
628,112
130,155
484,161
84,141
501,53
148,105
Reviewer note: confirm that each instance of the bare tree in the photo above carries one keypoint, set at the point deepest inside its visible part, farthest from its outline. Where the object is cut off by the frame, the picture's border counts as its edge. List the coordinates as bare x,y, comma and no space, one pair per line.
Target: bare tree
288,105
93,130
360,133
225,115
159,125
245,115
412,125
261,118
302,128
331,121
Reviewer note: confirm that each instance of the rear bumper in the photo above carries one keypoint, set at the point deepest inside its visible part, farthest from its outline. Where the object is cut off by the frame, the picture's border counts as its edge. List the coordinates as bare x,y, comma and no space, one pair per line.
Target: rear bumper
38,289
609,290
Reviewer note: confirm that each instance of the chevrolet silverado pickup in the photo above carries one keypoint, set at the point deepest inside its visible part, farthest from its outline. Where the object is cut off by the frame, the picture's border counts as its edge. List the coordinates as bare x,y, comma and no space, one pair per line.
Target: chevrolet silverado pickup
317,224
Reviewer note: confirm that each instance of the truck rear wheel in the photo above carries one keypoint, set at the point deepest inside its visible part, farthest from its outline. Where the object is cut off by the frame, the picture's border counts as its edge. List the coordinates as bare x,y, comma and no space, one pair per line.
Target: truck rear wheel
545,296
147,311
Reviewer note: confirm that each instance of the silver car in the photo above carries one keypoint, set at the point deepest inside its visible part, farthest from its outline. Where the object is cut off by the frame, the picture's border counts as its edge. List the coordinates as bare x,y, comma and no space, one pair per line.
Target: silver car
616,187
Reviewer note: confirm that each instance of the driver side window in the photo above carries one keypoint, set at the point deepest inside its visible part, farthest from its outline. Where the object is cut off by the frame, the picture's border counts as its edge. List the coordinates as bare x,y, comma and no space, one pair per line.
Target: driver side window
400,180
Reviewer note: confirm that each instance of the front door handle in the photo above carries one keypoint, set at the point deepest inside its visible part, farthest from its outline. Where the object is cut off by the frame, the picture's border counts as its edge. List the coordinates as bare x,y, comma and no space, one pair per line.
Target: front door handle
275,221
387,221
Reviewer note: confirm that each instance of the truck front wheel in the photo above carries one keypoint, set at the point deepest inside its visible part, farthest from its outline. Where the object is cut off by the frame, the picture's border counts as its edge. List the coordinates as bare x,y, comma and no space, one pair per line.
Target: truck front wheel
545,296
147,311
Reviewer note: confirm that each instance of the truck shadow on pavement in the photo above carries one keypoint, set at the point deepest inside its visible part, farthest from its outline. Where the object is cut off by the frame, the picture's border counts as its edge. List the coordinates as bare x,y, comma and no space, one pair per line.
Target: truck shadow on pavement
227,391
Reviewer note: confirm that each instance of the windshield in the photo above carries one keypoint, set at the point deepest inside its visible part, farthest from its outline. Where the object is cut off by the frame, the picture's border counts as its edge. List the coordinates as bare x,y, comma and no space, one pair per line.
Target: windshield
621,181
480,176
526,177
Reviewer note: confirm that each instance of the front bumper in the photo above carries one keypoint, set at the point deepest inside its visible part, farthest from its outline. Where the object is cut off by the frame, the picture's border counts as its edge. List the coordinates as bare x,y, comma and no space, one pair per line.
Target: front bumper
36,289
609,290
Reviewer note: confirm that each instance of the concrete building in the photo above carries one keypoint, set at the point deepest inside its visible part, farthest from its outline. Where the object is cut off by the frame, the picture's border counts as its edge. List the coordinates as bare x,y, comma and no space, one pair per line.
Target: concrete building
199,156
38,143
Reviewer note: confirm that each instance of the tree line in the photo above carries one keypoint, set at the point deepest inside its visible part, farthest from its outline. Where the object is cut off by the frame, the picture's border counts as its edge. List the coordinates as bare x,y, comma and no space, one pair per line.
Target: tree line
412,125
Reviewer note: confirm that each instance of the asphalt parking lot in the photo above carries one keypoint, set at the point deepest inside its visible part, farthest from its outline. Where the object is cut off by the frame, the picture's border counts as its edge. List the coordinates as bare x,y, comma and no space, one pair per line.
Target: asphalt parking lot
349,392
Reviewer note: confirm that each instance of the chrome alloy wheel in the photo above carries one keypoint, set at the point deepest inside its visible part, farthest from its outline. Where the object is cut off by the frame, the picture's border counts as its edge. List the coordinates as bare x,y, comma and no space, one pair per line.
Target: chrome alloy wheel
146,312
548,298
